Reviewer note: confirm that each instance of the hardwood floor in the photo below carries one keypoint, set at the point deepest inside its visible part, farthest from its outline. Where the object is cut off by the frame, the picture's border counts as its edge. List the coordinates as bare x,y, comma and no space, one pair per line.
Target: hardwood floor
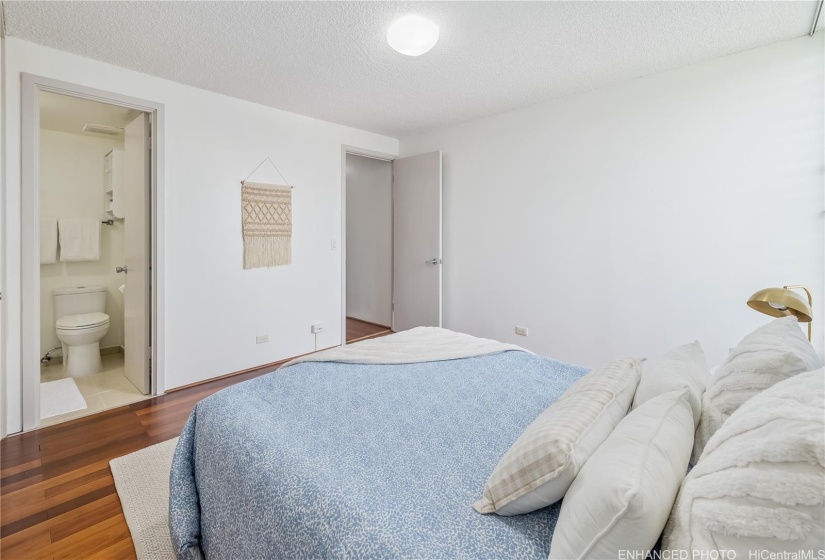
362,330
57,495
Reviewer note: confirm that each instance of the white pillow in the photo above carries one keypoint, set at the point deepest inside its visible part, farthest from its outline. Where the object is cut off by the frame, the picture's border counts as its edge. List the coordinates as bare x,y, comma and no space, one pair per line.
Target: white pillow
765,357
621,498
759,488
539,467
682,367
781,336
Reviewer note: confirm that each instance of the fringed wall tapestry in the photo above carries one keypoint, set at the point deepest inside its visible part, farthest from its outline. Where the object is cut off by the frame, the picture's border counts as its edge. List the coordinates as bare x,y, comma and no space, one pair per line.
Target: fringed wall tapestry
266,212
267,225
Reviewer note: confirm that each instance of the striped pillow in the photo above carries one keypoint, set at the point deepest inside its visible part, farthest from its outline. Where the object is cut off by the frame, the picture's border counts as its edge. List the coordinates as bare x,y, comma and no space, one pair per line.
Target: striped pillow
539,467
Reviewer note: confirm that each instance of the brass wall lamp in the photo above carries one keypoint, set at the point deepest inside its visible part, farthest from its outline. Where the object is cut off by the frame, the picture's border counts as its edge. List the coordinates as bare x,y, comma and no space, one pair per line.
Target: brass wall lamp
781,302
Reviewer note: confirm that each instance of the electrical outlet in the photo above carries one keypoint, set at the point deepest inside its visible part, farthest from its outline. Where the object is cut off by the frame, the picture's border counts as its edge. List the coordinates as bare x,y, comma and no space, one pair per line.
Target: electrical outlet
262,339
521,331
317,328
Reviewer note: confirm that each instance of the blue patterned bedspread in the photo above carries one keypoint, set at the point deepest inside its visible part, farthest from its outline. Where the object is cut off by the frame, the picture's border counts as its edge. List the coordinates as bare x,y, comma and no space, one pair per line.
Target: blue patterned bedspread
331,460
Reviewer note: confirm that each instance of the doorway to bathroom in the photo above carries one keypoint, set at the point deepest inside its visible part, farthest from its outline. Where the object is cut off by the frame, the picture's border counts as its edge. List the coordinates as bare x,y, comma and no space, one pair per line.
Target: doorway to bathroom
90,312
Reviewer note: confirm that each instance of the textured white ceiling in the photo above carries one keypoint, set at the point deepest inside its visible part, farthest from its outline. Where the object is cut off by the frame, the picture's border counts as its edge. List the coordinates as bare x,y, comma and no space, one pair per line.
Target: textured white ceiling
64,113
330,60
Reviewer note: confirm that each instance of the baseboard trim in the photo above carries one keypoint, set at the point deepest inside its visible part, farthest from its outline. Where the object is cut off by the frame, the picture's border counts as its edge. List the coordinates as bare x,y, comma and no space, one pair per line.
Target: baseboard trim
272,365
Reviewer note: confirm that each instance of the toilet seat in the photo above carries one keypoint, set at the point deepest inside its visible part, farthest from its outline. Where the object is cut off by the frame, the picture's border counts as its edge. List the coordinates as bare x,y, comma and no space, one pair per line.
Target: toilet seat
82,321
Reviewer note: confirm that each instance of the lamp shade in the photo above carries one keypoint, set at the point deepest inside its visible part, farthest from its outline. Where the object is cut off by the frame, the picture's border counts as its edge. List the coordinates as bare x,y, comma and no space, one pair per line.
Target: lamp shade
781,302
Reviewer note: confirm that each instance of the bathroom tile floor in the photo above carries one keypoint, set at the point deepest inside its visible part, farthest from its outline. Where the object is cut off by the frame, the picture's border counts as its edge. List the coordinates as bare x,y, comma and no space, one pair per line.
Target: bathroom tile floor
106,389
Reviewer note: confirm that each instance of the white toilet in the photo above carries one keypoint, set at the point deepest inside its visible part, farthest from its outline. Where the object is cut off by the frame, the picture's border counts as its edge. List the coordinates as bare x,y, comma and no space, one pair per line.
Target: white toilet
81,323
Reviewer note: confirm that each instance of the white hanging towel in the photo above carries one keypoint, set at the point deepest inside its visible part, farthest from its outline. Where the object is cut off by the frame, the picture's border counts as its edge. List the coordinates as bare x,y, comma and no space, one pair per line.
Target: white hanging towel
48,240
79,239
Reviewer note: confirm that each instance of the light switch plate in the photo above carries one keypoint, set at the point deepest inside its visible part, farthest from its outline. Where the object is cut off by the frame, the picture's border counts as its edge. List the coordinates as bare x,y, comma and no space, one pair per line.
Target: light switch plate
521,331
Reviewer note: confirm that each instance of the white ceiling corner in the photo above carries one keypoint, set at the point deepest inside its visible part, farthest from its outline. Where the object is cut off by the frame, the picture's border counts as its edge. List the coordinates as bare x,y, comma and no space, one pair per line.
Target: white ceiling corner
330,60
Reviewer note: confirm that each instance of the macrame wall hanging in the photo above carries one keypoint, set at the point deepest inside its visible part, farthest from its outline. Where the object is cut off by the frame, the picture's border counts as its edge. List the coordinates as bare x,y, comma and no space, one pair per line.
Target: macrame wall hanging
266,213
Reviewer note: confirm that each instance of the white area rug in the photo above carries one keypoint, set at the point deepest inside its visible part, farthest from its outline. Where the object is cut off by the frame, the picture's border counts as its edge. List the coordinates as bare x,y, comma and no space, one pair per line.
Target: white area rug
142,483
60,397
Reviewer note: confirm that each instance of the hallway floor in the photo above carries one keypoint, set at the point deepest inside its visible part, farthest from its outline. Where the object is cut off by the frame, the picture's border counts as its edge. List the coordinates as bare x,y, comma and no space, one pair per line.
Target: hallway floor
106,389
362,330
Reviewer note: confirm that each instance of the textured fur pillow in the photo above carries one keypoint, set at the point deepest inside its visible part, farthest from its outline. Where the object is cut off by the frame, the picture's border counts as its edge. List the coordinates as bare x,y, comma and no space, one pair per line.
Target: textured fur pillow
765,357
760,485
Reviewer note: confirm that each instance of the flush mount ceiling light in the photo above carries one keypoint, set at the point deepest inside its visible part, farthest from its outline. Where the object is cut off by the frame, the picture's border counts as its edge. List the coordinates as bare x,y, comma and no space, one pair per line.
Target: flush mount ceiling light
412,35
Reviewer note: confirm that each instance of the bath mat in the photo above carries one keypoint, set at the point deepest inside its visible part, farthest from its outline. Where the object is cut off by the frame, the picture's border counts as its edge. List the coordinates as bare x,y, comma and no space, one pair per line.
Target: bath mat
267,224
60,397
142,483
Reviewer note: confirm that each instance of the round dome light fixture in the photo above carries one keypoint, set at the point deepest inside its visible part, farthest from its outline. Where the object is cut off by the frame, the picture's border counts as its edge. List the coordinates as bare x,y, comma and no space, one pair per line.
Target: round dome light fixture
412,35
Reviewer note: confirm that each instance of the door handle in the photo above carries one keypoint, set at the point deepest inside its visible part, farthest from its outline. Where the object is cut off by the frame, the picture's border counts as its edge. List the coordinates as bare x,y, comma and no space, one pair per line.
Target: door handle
121,269
433,261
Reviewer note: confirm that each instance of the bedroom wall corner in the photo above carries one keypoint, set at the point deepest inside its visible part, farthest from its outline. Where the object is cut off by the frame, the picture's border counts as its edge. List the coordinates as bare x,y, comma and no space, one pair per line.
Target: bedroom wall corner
642,215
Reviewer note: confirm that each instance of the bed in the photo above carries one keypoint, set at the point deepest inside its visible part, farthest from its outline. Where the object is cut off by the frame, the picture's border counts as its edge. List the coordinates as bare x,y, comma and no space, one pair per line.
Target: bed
382,449
373,453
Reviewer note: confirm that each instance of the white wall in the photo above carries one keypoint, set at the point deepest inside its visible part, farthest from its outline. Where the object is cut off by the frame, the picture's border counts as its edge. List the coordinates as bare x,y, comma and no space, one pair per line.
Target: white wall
71,186
213,307
631,219
369,239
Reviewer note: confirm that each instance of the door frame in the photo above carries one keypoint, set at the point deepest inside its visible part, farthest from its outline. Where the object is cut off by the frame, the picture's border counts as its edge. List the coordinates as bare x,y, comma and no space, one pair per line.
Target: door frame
362,152
32,85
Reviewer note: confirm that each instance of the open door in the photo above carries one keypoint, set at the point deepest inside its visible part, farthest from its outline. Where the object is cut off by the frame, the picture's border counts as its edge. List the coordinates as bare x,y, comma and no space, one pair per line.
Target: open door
417,241
137,187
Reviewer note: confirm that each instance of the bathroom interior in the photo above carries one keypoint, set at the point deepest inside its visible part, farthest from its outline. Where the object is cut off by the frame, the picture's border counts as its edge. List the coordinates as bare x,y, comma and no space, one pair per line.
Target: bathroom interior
83,238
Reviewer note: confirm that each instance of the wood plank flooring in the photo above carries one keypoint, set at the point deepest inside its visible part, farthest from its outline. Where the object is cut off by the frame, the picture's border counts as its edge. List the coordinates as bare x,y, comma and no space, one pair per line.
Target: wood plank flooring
362,330
57,495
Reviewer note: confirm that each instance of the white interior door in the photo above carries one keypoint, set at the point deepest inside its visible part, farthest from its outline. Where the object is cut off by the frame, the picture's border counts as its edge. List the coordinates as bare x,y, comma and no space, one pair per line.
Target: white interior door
417,241
136,204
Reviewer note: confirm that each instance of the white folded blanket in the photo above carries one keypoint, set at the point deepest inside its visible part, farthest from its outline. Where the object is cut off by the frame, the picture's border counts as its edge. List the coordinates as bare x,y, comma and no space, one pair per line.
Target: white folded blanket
79,239
421,344
48,240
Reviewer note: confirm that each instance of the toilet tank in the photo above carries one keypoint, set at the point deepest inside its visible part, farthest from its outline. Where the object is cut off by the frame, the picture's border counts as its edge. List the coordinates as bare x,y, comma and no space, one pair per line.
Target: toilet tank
77,300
